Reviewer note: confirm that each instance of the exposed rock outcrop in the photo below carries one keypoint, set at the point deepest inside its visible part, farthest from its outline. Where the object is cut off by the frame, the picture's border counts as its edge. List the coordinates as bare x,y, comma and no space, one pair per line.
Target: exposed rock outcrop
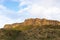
33,22
32,29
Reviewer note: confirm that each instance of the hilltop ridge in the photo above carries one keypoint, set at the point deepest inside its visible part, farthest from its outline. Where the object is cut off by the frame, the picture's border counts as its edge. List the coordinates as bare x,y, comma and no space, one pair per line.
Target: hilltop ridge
34,22
31,29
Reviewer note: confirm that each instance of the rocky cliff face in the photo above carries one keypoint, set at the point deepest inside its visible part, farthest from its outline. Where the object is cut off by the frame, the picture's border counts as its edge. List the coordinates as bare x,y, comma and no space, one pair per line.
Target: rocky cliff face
41,22
31,29
33,22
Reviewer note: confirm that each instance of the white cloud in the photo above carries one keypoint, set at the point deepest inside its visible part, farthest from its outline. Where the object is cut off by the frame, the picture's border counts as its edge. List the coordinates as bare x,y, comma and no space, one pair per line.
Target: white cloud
40,8
4,16
36,8
2,7
43,8
4,20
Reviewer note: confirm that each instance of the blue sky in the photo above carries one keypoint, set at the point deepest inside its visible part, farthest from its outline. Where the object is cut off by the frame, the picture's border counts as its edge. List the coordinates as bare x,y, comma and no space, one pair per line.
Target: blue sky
11,5
12,11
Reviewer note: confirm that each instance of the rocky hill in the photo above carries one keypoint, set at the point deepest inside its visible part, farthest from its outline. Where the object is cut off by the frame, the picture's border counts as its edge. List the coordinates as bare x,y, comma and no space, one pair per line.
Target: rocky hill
33,22
31,29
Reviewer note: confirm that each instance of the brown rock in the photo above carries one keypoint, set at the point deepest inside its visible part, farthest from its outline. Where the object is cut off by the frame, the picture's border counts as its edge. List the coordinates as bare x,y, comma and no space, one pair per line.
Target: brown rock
8,26
33,22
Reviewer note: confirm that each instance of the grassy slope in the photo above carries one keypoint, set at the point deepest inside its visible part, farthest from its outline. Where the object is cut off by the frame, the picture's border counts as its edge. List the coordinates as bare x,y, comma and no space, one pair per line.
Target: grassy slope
46,32
9,34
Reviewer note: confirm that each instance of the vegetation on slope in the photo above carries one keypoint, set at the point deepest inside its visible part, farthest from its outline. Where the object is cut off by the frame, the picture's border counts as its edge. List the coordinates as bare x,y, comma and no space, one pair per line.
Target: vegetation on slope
45,32
31,29
9,34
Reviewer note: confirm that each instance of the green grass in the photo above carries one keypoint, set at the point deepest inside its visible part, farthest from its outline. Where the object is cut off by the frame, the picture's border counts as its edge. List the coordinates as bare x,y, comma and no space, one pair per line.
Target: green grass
45,32
8,34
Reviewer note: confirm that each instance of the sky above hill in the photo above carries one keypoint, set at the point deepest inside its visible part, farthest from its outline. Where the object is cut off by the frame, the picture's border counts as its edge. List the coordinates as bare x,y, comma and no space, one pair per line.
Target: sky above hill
12,11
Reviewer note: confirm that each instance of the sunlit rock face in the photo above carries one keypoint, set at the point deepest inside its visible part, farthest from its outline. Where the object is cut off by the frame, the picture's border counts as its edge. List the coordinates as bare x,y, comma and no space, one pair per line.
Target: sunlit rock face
32,29
40,22
34,22
8,26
